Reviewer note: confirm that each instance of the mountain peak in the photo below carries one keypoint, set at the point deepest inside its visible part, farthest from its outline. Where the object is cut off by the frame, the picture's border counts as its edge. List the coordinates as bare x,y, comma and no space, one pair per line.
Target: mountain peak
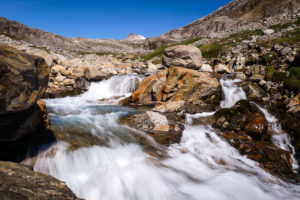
134,37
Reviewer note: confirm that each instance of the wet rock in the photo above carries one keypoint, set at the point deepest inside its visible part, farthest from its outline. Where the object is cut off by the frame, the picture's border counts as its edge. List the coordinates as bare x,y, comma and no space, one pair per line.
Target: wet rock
16,125
164,128
187,56
44,112
243,116
270,157
174,106
245,127
177,85
21,182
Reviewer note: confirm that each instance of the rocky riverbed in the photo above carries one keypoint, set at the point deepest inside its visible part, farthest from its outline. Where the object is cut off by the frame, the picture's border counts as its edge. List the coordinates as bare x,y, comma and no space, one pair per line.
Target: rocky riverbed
204,118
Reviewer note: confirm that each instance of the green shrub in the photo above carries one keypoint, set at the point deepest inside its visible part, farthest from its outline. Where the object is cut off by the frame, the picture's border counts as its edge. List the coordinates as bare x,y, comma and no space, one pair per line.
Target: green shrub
159,51
295,73
280,26
269,73
269,57
290,37
297,22
293,85
155,62
190,41
211,50
278,76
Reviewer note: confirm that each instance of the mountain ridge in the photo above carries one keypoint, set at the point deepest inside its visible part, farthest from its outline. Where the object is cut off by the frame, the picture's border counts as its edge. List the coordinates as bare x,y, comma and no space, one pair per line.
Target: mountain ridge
234,15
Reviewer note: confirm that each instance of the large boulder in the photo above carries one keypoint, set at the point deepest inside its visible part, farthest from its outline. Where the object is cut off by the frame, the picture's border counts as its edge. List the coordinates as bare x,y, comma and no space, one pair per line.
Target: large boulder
20,182
164,128
187,56
177,87
23,81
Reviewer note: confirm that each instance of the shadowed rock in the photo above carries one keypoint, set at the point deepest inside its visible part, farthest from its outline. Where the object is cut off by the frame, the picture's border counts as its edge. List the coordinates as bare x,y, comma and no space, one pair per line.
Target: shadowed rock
20,182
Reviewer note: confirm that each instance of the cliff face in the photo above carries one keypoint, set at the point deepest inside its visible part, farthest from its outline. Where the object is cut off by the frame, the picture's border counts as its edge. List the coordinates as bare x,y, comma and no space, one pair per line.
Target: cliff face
237,15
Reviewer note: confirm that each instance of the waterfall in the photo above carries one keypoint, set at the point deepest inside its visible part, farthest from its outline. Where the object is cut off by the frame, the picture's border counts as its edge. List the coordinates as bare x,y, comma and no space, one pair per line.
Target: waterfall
115,86
280,138
231,92
202,166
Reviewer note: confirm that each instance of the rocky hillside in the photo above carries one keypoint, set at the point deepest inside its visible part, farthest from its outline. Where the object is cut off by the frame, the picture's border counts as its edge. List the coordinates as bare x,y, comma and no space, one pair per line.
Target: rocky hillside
17,33
236,16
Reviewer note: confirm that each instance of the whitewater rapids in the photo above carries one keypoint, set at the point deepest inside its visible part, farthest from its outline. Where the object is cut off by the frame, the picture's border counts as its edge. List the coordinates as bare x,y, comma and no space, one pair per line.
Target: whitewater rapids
201,166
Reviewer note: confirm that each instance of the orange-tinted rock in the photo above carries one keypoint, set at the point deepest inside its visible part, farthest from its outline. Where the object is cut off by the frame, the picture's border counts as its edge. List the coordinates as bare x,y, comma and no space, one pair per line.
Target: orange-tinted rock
177,84
44,112
257,125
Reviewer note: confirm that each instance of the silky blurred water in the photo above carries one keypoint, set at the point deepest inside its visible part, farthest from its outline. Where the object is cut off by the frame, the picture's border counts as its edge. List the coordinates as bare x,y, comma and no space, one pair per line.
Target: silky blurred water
201,166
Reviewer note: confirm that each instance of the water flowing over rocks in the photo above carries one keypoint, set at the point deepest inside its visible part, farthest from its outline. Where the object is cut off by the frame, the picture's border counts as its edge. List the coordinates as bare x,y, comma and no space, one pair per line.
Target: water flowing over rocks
184,124
164,128
246,128
174,89
24,118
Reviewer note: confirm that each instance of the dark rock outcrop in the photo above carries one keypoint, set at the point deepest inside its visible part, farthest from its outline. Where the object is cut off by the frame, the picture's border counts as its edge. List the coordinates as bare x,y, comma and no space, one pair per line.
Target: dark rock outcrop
20,182
23,81
243,116
245,127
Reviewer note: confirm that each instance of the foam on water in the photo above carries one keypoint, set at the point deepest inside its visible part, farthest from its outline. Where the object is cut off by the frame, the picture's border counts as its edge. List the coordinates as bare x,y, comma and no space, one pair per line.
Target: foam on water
280,138
115,86
231,92
201,166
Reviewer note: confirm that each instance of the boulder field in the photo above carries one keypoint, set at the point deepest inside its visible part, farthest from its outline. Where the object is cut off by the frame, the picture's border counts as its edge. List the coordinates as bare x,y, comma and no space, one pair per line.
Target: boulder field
184,88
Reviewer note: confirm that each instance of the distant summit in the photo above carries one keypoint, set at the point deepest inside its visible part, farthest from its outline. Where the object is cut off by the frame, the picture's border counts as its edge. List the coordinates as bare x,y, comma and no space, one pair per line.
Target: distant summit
134,37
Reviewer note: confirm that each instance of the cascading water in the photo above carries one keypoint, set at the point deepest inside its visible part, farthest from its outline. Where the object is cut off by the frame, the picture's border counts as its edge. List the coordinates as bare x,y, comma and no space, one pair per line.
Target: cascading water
280,138
231,92
201,166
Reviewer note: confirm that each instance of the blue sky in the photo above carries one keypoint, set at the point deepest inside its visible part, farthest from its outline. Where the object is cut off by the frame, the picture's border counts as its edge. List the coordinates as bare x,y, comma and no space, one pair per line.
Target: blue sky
112,19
